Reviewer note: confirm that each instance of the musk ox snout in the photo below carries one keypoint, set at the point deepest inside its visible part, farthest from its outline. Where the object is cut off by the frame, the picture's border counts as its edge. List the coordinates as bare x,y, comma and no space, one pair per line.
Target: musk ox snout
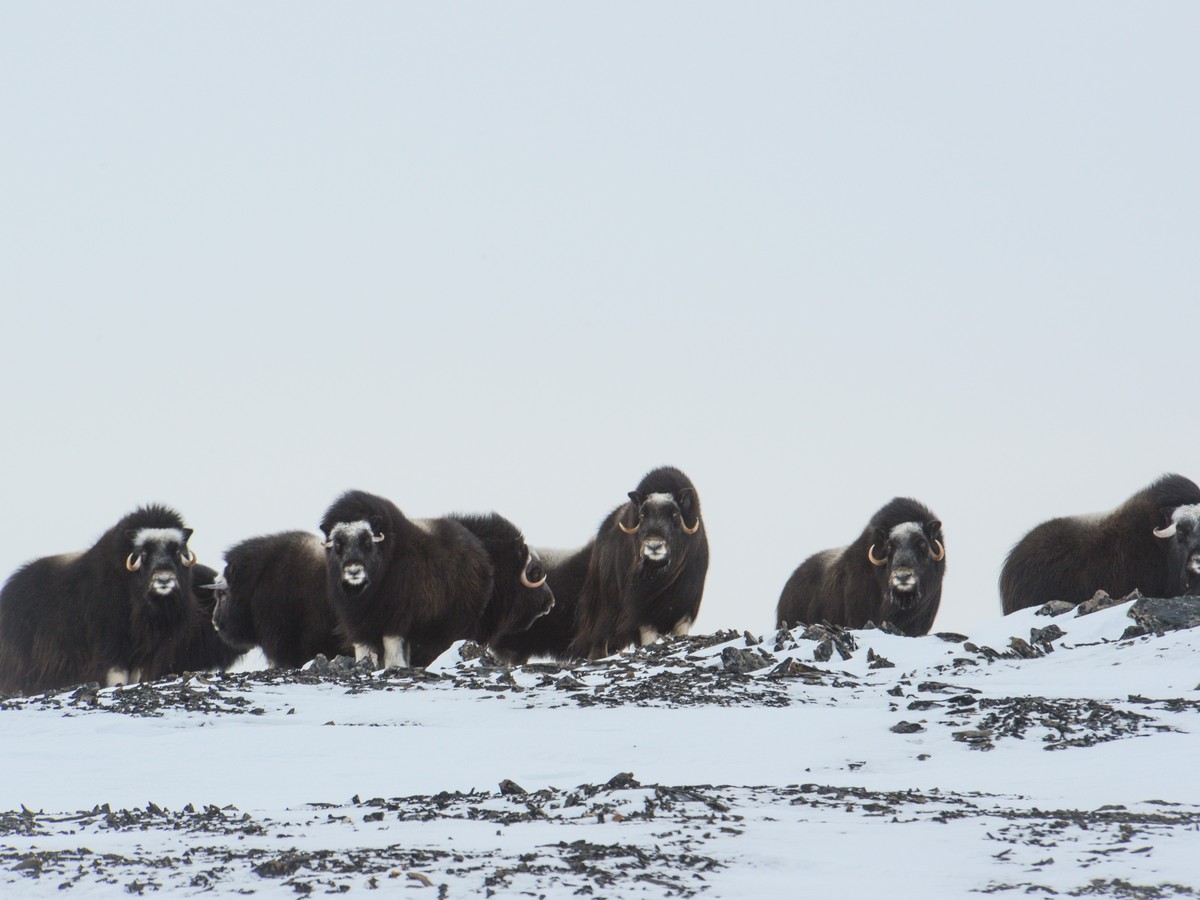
354,574
655,549
904,579
164,582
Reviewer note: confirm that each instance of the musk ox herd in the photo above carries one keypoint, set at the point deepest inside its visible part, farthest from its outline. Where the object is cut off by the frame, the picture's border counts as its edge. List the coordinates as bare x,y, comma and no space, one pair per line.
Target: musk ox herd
398,591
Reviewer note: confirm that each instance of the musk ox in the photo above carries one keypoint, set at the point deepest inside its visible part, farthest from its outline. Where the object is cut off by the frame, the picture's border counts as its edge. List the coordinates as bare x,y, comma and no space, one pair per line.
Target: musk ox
403,589
104,614
520,593
201,648
647,568
1151,543
642,574
892,572
550,635
272,595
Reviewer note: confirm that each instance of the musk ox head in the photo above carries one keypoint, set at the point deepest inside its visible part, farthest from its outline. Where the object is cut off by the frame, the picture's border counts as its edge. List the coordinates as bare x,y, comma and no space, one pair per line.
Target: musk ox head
353,554
661,524
532,596
1181,536
159,566
909,560
231,615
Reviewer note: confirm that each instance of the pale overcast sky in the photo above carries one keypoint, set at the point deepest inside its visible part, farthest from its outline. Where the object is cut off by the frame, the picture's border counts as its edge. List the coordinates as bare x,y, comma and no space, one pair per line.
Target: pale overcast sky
511,256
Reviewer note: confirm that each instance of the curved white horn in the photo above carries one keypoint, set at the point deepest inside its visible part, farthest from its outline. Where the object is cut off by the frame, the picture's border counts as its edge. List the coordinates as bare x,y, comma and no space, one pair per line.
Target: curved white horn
532,584
871,557
377,537
187,557
632,530
941,551
691,530
133,562
1167,532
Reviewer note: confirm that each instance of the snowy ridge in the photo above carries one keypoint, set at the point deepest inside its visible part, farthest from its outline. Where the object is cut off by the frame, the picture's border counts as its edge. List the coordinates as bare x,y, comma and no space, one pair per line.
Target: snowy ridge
1024,760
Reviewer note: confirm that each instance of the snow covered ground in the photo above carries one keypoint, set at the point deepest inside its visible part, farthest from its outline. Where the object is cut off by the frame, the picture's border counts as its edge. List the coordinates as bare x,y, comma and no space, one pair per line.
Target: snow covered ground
861,763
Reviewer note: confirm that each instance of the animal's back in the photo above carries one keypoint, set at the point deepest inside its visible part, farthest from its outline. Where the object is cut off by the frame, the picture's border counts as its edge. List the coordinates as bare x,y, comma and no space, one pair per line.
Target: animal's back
810,595
44,627
1071,557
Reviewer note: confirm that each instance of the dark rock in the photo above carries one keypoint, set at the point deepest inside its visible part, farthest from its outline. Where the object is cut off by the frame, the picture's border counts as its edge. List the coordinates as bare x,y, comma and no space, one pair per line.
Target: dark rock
320,664
1133,631
750,639
1055,608
977,738
816,633
742,661
875,661
1021,648
1045,635
907,727
888,628
509,788
1171,614
951,637
622,781
790,668
823,651
1100,600
470,651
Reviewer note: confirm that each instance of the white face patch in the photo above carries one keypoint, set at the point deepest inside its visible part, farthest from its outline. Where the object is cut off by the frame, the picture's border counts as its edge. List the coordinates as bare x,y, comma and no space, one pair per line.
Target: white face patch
906,528
1191,513
351,530
158,536
354,574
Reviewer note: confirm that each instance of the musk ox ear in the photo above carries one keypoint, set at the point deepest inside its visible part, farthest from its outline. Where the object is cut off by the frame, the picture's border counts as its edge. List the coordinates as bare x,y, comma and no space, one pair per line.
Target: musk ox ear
689,510
187,534
689,503
932,529
630,519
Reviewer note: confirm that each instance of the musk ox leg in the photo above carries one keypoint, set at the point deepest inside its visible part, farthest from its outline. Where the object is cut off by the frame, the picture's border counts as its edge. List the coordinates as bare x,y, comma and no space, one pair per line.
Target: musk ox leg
364,651
116,676
649,635
682,628
395,652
